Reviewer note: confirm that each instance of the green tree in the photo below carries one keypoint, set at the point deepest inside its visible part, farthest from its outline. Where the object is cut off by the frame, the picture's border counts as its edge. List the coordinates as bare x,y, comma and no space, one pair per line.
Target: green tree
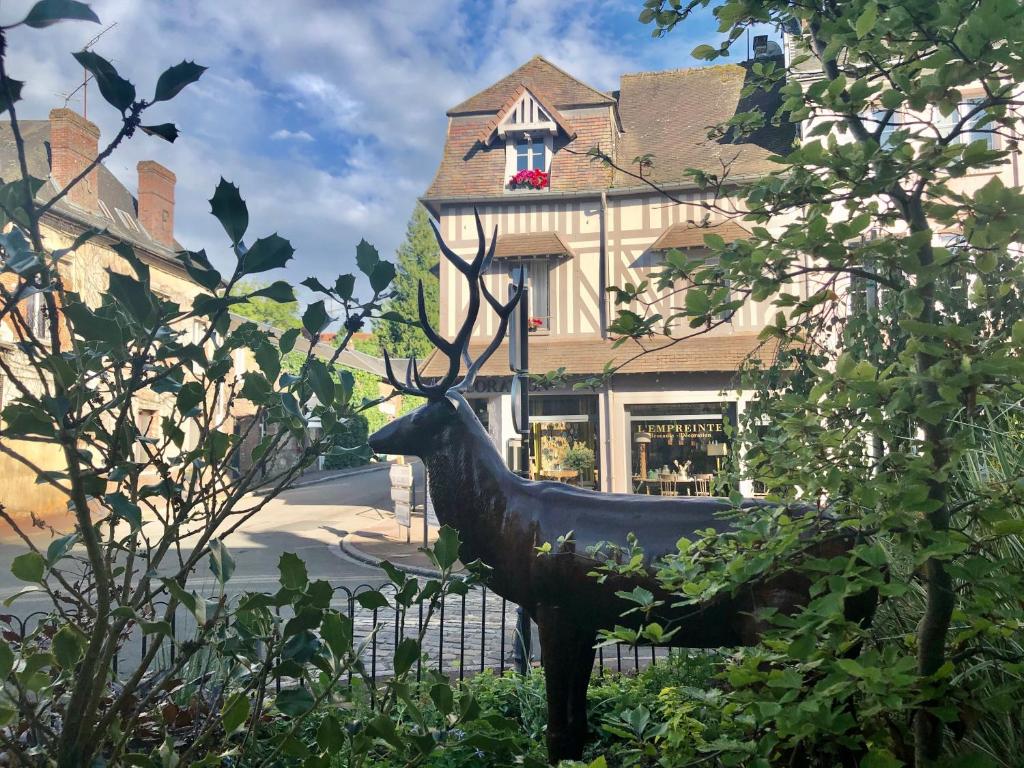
416,256
900,103
280,315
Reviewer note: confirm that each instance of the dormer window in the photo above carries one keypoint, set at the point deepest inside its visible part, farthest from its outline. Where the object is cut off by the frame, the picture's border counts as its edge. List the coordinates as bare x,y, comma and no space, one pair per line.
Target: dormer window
528,125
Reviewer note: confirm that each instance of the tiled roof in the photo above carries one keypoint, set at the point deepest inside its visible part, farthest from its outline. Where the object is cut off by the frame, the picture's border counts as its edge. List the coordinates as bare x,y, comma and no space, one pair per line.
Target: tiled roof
685,235
668,115
700,354
533,244
470,169
557,116
112,193
540,76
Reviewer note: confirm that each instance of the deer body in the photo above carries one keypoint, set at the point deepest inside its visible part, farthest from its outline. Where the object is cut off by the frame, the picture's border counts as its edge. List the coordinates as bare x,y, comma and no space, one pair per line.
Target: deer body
502,519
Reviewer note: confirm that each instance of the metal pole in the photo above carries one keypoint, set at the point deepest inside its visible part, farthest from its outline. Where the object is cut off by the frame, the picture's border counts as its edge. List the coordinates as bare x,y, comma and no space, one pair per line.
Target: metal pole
523,651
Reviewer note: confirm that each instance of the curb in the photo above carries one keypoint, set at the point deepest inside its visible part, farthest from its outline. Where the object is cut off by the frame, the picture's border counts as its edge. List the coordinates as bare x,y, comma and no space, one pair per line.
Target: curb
354,552
353,472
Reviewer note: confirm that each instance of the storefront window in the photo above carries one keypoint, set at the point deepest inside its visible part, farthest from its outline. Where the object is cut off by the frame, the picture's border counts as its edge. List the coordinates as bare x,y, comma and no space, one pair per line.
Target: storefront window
563,435
679,449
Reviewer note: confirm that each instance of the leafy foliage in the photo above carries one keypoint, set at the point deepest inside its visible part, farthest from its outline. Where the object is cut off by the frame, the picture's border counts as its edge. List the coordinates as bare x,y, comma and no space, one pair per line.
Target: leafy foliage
152,499
892,341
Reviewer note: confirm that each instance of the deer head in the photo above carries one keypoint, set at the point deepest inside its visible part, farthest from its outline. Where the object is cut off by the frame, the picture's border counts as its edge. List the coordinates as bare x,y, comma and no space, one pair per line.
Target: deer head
418,432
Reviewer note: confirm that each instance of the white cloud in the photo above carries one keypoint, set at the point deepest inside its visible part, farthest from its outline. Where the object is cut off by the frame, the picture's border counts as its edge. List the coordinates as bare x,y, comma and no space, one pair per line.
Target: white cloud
284,134
371,81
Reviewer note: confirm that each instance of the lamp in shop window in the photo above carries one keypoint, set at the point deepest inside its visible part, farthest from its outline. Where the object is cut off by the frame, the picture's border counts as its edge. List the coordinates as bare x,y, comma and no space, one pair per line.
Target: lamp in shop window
643,439
718,450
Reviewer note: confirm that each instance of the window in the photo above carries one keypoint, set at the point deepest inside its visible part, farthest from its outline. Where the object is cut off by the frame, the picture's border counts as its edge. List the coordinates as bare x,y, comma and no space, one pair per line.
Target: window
564,439
679,447
978,128
878,117
535,278
127,220
36,316
530,154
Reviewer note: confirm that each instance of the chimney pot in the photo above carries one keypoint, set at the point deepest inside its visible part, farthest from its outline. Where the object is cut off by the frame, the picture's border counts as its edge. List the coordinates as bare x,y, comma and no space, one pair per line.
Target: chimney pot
74,143
156,201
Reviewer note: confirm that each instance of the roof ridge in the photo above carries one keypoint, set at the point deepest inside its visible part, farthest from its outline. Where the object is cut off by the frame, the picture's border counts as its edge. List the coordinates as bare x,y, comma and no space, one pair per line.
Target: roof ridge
681,70
605,98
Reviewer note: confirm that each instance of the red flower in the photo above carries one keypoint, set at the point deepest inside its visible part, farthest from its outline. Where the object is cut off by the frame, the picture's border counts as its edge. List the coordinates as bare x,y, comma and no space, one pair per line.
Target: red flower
535,178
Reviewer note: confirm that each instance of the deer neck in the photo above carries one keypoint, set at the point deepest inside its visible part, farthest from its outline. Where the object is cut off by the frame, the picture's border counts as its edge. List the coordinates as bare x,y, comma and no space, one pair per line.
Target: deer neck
470,488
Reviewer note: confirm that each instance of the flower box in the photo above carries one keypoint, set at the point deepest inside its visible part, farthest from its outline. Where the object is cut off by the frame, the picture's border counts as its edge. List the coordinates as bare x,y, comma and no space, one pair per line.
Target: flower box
531,179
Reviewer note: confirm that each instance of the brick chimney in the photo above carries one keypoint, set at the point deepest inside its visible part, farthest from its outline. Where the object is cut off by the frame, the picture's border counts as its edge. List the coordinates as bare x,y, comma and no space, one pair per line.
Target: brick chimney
74,143
156,201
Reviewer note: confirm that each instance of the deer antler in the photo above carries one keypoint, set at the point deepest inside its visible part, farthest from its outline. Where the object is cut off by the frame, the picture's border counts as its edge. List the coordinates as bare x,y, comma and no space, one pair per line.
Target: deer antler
457,350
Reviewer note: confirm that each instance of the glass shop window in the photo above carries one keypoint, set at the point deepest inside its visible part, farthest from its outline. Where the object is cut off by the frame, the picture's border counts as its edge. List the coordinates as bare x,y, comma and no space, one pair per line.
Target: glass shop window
679,450
564,439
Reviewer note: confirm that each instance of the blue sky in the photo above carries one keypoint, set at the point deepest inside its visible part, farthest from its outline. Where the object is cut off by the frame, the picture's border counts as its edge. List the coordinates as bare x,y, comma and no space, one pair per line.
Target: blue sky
330,116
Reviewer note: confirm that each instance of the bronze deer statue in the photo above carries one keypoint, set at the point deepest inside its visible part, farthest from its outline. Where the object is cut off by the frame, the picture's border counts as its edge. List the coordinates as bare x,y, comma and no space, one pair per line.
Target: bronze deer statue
502,518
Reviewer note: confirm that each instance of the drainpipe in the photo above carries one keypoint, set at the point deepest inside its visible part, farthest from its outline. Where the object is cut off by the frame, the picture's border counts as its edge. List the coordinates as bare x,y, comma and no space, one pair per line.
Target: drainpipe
607,473
602,276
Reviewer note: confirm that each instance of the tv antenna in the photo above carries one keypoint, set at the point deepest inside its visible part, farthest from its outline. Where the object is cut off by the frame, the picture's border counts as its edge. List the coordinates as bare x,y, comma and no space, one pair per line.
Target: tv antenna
86,77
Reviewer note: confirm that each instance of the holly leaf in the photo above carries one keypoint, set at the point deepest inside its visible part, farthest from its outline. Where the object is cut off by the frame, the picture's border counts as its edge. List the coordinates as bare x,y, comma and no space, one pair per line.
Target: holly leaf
382,275
278,291
293,571
367,257
235,712
47,12
173,79
315,318
271,252
294,701
117,91
230,209
68,646
222,565
29,567
166,131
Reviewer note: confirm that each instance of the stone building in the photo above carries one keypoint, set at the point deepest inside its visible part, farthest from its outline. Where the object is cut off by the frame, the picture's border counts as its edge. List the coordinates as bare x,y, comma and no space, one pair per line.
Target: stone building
58,150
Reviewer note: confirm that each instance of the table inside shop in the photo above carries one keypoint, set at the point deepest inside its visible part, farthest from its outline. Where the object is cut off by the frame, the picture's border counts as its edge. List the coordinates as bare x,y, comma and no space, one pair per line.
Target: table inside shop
560,475
686,486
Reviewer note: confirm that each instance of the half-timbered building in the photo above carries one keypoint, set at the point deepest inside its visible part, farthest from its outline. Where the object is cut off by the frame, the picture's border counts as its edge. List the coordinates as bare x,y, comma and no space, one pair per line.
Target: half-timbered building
519,153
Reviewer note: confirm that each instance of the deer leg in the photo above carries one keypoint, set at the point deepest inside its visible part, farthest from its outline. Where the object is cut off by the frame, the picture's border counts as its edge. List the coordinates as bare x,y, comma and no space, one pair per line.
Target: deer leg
568,660
582,668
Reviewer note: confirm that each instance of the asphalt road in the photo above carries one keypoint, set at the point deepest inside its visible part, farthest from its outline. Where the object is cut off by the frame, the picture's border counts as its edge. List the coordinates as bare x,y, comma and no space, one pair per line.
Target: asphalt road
307,520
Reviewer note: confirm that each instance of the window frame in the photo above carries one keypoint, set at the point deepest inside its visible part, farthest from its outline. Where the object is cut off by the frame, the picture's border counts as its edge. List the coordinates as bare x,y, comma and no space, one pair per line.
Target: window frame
535,268
512,141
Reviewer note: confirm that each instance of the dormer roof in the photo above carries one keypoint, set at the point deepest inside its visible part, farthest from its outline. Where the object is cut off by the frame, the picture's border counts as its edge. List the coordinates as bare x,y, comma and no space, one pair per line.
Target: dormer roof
541,77
527,111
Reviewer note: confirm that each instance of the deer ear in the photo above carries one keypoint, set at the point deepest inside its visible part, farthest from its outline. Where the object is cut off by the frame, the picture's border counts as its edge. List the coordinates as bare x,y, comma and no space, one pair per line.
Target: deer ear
452,400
